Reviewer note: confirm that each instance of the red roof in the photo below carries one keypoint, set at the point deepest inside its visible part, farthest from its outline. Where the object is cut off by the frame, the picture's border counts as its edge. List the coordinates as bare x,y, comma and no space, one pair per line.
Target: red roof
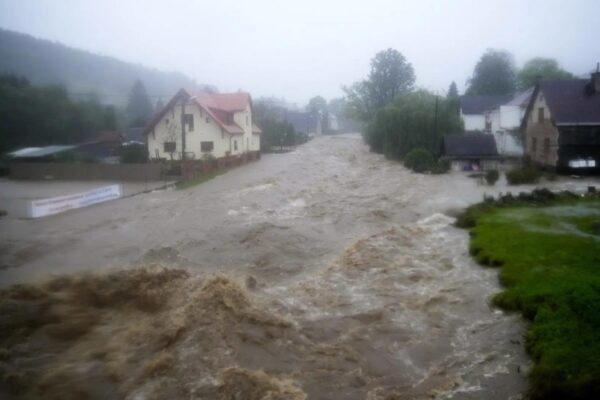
220,106
229,102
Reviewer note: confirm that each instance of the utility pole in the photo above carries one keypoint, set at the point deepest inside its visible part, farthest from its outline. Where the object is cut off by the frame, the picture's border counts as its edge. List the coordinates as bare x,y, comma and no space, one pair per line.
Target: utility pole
183,101
435,132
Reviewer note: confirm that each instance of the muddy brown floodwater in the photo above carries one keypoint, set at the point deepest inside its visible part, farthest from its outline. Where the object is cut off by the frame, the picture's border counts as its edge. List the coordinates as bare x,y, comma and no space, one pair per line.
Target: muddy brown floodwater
326,273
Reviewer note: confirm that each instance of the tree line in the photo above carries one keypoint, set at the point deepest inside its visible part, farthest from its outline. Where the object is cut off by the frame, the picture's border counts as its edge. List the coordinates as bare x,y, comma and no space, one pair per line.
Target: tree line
33,116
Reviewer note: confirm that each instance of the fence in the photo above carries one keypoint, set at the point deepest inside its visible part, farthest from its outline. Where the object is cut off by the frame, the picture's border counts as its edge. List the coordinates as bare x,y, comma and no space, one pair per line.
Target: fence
86,172
127,172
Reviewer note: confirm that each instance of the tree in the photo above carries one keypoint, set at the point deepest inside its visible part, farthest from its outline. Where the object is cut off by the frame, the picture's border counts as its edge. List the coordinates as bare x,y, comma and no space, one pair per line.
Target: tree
391,75
493,74
139,108
452,91
317,104
40,116
540,68
414,120
453,98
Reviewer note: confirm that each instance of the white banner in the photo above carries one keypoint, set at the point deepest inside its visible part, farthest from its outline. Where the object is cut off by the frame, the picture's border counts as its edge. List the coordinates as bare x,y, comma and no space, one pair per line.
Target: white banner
55,205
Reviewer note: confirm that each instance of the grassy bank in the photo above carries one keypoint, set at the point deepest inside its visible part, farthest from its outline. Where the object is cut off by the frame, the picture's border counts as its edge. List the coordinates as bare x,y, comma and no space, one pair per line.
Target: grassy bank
548,249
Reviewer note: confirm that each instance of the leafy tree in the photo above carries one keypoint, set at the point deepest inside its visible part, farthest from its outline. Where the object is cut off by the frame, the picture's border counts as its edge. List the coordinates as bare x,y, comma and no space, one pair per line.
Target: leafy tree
317,104
414,120
419,160
391,75
109,118
139,108
453,98
40,116
452,91
277,133
493,74
359,103
540,68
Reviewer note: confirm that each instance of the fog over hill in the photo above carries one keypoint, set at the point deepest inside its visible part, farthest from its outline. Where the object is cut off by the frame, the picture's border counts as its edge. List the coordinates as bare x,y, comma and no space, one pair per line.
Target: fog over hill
81,72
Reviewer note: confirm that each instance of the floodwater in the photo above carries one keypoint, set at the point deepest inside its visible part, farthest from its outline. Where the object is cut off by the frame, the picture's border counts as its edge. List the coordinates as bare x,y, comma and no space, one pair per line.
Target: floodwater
344,279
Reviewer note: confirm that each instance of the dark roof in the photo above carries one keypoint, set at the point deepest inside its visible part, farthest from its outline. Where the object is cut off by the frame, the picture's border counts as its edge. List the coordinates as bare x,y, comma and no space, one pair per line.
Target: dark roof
109,136
471,145
135,134
570,103
483,103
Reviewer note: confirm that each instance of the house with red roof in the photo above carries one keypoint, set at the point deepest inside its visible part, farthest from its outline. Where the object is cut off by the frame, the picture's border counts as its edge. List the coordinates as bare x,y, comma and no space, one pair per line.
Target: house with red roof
201,125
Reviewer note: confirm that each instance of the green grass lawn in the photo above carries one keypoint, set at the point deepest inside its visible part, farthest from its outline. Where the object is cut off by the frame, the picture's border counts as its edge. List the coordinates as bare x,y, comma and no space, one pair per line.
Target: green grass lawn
550,268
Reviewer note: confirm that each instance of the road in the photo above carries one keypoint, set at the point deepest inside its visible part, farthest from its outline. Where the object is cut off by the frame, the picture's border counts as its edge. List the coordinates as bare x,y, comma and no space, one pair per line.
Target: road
354,249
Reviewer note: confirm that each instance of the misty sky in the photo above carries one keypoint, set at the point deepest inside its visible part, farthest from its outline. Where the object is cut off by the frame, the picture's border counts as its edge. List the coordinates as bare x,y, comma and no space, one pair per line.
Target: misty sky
298,49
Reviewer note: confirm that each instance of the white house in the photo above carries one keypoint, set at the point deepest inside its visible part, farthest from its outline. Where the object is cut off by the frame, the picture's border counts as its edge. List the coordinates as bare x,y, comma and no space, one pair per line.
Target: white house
498,115
215,124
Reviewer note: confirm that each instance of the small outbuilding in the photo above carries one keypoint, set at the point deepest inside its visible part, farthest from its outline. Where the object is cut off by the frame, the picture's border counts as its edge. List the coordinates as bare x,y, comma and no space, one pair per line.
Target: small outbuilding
470,152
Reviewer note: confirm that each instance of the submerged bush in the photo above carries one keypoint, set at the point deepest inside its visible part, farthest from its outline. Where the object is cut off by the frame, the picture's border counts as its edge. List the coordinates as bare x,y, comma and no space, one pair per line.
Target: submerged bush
523,175
441,167
419,160
492,176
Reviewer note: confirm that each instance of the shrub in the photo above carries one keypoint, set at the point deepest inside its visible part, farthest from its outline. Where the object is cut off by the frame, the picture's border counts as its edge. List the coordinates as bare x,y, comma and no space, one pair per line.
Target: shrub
441,167
419,160
134,153
492,176
520,176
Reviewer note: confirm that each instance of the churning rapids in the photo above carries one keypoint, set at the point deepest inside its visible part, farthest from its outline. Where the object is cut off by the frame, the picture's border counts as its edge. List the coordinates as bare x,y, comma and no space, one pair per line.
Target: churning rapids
325,273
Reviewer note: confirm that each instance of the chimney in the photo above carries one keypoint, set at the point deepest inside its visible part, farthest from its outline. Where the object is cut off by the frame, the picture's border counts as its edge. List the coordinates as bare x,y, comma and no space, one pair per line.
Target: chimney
596,79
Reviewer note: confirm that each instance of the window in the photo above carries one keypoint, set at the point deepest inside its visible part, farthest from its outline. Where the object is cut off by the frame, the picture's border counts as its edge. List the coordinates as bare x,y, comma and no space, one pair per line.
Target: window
170,147
167,121
188,119
488,125
541,114
207,120
206,147
247,121
235,145
546,146
533,145
156,153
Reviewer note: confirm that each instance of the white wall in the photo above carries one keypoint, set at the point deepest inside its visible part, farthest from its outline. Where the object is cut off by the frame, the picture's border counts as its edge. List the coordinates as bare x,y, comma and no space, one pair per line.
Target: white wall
474,122
206,129
510,117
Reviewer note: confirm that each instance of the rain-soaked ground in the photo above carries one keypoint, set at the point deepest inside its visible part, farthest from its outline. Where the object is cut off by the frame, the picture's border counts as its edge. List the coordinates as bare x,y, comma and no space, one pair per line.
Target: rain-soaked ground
353,283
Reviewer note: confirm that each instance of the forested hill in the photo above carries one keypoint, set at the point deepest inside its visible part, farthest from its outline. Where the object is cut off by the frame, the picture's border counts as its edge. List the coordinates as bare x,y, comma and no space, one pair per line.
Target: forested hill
44,62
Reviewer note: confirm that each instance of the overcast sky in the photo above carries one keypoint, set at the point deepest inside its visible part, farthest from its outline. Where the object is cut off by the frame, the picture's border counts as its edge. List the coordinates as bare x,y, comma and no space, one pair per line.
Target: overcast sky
298,49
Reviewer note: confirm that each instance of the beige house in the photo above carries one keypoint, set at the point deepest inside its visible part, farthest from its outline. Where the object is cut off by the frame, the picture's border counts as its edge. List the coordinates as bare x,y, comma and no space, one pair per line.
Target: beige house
216,125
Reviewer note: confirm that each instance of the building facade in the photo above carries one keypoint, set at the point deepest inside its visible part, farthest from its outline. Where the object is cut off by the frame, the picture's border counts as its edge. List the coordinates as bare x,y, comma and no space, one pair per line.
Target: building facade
204,125
562,125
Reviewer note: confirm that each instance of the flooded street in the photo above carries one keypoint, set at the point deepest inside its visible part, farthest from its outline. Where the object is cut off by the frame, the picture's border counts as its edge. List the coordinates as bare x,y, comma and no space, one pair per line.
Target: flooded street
344,279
